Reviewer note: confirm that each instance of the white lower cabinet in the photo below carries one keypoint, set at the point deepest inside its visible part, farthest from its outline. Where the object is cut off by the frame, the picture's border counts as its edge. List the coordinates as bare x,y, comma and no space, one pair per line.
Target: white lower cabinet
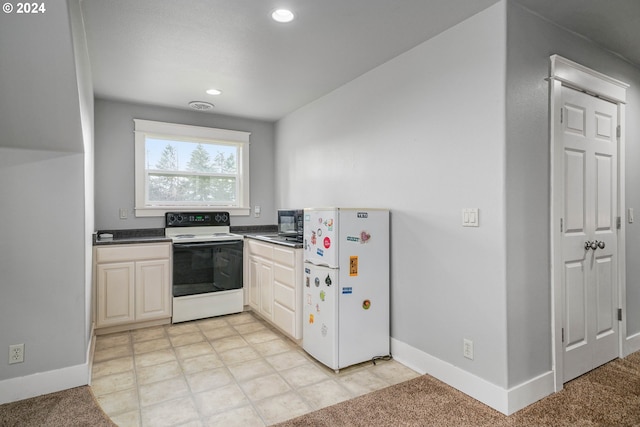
133,284
275,280
153,290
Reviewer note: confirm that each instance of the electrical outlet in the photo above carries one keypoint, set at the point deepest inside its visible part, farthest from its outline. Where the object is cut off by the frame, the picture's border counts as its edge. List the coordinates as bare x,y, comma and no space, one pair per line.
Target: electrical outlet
16,353
123,213
467,348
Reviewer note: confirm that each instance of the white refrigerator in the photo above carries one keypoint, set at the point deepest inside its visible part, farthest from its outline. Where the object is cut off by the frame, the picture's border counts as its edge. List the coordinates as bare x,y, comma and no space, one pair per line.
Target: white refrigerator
346,285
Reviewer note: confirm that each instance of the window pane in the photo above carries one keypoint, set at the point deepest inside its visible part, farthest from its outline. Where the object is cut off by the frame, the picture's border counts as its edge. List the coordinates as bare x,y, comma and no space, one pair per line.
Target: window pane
191,156
193,172
190,188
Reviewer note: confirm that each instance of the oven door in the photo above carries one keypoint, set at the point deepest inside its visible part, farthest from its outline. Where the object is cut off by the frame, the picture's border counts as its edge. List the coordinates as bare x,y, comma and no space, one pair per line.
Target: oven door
200,268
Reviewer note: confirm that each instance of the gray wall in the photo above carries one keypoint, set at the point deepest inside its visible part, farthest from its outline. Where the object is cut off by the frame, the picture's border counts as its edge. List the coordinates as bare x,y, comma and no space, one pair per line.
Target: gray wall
43,275
114,160
422,135
531,40
85,99
42,263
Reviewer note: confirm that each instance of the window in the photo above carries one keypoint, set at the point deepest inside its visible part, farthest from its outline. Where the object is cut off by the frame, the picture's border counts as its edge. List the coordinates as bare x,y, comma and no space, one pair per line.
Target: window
181,167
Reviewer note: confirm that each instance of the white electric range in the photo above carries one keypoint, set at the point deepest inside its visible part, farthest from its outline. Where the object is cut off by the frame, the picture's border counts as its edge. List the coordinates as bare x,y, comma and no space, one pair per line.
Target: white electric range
207,265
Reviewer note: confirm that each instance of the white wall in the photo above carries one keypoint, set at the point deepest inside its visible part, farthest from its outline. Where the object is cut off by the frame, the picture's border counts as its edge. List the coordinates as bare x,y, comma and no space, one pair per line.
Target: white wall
114,161
422,135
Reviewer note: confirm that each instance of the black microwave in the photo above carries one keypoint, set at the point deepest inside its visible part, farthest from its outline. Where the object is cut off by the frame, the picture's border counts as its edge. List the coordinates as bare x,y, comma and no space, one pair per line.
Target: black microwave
291,224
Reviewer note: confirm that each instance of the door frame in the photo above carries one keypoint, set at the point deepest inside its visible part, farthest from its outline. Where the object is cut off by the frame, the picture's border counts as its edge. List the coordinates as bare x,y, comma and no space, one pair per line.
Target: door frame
564,72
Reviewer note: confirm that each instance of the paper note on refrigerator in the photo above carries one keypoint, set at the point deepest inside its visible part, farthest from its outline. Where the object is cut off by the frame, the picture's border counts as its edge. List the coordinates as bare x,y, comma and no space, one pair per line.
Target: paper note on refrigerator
353,266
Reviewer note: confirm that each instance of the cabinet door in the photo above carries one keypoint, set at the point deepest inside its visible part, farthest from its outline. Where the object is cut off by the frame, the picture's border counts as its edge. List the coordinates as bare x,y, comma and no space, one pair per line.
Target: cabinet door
266,289
254,283
153,296
115,299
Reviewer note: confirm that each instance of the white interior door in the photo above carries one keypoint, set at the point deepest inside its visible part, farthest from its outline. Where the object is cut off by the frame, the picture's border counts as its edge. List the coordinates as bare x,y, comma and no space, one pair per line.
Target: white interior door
589,235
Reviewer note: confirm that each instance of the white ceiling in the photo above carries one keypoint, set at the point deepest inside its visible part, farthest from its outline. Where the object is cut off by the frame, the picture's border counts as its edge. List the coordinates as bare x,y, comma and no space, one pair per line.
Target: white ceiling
167,52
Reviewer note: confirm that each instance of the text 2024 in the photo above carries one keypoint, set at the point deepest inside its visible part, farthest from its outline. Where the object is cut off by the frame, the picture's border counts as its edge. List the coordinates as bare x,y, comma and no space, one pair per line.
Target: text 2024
30,8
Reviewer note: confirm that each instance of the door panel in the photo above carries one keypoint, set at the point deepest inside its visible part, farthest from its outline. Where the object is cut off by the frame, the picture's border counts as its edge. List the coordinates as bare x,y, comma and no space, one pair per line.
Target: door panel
590,209
575,286
604,279
574,208
604,203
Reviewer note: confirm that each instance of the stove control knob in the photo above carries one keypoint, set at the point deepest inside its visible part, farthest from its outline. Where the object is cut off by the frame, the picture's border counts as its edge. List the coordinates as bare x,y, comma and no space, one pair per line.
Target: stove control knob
218,218
180,218
172,218
225,217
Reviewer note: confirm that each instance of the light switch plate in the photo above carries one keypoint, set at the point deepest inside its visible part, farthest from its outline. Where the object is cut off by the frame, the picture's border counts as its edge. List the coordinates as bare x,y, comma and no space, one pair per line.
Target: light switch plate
470,217
467,348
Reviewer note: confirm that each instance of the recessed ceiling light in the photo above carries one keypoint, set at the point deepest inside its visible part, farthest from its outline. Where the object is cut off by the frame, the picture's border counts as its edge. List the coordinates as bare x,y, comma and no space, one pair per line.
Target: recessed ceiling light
214,92
282,15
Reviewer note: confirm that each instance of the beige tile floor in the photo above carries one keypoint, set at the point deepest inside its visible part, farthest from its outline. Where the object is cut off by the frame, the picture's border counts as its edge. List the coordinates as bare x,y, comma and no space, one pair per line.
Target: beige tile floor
232,370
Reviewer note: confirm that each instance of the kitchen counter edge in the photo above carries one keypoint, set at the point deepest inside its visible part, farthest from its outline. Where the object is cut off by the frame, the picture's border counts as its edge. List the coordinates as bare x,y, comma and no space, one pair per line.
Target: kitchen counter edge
156,235
275,240
132,236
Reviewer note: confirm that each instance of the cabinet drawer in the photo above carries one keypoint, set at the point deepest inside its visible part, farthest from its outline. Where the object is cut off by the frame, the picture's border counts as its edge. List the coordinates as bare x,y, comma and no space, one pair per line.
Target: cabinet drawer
285,319
284,256
260,249
132,253
284,295
283,274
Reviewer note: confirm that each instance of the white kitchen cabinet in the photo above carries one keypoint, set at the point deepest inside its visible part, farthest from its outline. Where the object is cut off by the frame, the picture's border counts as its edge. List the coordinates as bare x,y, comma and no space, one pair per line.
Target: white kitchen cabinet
115,293
261,277
133,285
275,285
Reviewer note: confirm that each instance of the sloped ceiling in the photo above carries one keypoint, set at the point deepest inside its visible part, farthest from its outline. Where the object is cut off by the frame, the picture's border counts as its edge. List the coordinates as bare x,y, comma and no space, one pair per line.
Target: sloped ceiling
39,103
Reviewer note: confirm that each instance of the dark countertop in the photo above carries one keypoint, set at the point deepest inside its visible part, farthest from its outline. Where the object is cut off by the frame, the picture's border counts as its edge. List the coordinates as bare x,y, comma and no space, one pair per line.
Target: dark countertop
127,237
273,238
155,235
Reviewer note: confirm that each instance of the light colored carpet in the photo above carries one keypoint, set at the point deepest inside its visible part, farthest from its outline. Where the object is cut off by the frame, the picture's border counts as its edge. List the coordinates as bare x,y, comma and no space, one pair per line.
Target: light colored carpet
72,407
607,396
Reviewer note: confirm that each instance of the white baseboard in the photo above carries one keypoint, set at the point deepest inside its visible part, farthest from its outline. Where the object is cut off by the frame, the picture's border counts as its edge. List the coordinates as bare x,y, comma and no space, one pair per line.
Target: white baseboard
19,388
506,401
631,344
14,389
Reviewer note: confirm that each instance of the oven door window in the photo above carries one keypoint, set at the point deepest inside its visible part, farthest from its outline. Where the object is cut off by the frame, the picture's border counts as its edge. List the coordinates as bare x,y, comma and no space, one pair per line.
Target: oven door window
200,268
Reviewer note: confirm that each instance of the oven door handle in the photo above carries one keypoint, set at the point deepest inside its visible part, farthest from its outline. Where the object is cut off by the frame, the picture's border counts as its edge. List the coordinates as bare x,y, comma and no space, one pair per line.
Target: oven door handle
206,244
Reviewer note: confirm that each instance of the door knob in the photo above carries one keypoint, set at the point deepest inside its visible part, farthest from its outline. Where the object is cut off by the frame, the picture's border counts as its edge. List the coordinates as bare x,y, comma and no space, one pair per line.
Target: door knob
592,245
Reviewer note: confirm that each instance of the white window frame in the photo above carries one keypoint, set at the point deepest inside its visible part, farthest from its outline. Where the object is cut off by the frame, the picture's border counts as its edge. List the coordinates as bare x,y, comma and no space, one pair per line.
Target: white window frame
144,128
